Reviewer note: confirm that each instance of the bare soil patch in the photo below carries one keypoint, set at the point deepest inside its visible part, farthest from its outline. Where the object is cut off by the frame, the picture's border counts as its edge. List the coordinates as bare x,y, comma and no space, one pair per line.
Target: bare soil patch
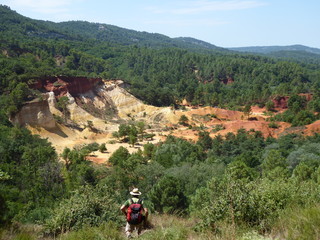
205,118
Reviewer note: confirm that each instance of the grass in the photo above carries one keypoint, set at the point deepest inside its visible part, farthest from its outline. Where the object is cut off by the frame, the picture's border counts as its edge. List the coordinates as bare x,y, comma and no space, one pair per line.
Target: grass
299,224
294,224
107,231
21,232
168,227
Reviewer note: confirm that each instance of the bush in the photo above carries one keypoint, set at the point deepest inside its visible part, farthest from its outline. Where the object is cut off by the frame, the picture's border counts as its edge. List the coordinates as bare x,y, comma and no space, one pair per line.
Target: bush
218,128
87,207
91,147
102,147
119,157
256,203
167,195
273,125
183,120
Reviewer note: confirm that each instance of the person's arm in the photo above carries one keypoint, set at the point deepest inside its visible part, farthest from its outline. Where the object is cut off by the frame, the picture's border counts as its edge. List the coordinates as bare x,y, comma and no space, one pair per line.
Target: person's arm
124,209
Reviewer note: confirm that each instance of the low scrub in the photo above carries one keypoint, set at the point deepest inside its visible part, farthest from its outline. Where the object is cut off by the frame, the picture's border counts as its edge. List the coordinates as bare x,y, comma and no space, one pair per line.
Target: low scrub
109,231
87,207
300,223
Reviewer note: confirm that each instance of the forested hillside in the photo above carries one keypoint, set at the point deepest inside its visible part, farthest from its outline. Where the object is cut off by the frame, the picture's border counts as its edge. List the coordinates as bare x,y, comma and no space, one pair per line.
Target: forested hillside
241,186
37,48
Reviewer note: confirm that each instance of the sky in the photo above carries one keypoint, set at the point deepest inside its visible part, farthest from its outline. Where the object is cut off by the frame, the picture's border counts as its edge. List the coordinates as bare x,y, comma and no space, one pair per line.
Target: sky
224,23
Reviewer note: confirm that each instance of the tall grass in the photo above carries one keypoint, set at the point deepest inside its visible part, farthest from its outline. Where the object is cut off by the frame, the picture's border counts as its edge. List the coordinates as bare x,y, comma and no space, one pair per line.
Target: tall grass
19,231
169,227
107,231
299,224
162,227
24,236
165,227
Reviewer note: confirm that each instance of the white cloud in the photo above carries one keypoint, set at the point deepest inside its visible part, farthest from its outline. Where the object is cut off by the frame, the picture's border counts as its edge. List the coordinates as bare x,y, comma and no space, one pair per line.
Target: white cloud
200,6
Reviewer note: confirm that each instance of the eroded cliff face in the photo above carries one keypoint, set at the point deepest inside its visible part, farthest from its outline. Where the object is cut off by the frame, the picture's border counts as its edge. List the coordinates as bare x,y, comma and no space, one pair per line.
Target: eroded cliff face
61,85
281,102
107,104
98,100
35,113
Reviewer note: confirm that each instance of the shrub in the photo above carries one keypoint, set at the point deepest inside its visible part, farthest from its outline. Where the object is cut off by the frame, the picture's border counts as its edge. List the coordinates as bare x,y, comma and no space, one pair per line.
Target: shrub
183,120
87,207
218,128
119,157
91,147
167,195
58,119
270,106
273,125
102,147
223,200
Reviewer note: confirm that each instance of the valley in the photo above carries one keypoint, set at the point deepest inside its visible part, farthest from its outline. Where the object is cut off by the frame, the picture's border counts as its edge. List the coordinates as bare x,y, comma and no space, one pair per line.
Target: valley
106,104
222,143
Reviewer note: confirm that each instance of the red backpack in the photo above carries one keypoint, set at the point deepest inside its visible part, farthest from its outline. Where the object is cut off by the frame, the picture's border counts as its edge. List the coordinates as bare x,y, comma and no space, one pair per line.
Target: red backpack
134,212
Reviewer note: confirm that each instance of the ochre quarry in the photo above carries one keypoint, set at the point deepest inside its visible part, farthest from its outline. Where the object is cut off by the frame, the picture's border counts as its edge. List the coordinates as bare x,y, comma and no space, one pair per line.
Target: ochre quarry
107,104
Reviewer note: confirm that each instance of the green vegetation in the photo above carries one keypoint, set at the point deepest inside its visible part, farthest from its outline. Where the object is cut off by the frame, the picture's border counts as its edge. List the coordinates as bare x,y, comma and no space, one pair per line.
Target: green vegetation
193,71
217,128
131,132
240,186
298,113
241,182
183,120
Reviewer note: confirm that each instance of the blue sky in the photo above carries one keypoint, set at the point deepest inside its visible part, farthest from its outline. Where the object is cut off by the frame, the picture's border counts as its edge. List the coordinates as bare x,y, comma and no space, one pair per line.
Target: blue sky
225,23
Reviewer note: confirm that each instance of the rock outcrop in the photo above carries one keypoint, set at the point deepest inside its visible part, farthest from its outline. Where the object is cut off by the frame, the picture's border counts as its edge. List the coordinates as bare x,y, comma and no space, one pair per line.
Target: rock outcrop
61,85
107,104
281,102
98,100
35,113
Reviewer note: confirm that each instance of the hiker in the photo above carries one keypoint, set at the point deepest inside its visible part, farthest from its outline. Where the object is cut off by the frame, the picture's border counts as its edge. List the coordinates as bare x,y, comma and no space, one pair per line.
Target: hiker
133,209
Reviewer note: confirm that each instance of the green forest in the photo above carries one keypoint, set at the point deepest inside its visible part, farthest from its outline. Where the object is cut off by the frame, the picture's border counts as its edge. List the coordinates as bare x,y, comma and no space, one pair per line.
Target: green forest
241,186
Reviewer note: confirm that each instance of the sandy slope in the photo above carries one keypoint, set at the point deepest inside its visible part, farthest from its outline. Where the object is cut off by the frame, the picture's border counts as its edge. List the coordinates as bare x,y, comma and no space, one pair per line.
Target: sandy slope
159,120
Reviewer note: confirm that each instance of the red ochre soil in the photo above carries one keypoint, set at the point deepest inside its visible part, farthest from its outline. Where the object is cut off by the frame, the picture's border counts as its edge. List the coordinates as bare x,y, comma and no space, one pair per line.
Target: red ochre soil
61,85
232,122
205,117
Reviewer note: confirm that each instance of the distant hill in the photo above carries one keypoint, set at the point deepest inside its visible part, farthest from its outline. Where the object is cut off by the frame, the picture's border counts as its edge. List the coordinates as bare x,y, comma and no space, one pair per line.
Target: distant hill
296,53
11,21
161,71
272,49
114,34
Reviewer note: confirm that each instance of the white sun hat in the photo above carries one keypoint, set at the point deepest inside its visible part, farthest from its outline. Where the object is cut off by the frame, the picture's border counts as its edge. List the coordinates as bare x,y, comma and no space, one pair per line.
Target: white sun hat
135,192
